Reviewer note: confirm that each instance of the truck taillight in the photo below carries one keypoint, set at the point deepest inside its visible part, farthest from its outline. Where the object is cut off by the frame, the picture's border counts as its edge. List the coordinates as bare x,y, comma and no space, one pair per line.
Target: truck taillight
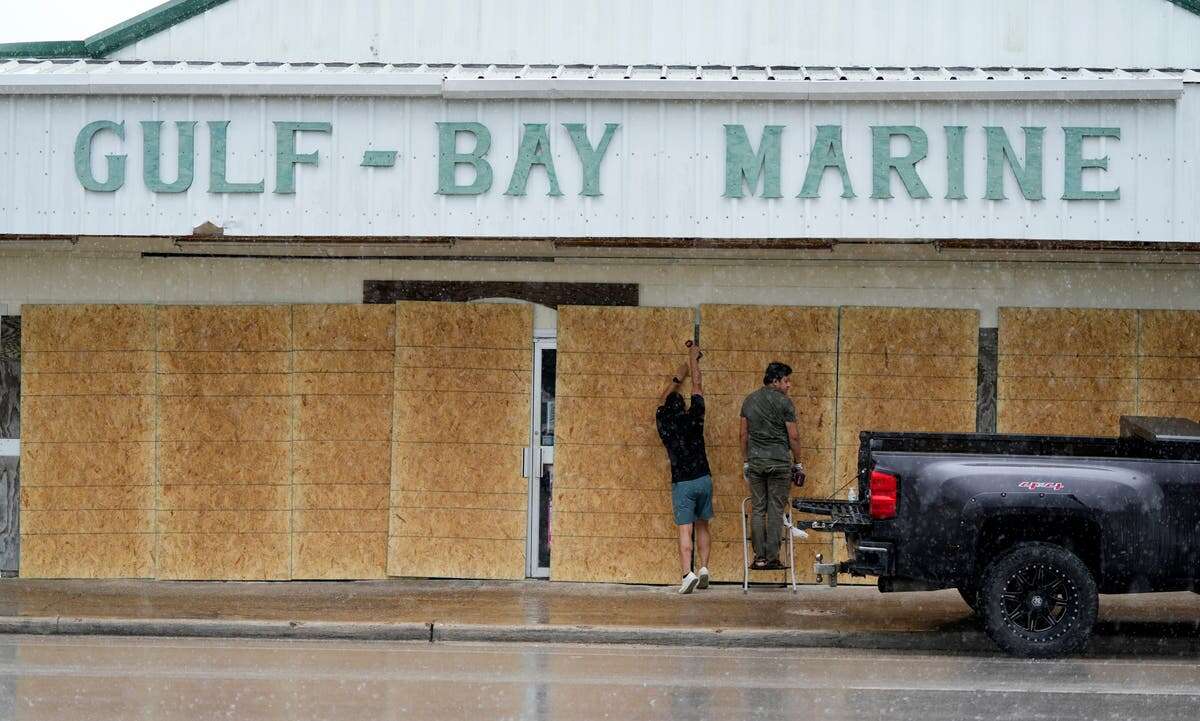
885,489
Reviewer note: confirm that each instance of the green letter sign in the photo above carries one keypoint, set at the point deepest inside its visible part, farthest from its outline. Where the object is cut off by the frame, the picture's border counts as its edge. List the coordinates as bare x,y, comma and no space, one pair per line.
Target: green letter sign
152,156
826,153
83,158
882,160
286,157
449,158
590,157
1000,152
534,150
742,163
1074,163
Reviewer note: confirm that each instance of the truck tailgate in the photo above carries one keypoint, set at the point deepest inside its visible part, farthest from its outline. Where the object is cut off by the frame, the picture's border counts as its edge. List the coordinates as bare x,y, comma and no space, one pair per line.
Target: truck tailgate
844,516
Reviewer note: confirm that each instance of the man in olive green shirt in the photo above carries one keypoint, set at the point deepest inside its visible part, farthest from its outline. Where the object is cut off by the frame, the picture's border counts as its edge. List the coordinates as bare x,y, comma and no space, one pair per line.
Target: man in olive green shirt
771,450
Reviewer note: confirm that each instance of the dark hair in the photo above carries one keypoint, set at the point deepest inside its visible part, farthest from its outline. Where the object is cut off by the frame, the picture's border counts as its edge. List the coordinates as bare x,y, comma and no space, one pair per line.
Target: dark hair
674,403
776,371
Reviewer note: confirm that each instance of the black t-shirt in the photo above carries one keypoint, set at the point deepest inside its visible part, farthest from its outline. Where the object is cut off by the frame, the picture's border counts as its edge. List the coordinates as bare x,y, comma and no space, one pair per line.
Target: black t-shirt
683,435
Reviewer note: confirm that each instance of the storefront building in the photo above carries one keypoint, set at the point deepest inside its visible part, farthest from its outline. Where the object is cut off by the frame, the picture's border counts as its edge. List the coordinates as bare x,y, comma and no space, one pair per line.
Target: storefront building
245,247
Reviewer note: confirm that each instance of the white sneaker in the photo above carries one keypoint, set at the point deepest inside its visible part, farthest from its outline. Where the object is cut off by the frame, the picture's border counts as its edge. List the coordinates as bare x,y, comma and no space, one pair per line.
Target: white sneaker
703,578
689,583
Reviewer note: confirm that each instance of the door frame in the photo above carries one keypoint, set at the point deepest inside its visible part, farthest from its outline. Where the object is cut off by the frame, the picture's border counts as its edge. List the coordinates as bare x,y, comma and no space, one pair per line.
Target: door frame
536,456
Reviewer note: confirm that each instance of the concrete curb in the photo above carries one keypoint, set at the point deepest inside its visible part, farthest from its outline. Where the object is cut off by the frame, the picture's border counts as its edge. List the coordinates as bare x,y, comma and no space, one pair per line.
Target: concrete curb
969,641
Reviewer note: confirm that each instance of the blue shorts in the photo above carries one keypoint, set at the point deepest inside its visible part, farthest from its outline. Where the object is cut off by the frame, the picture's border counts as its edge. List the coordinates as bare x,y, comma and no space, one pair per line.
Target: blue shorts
692,500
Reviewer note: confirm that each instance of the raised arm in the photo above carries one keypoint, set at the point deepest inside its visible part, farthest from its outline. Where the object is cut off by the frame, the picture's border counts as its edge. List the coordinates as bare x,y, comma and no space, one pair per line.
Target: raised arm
673,385
694,369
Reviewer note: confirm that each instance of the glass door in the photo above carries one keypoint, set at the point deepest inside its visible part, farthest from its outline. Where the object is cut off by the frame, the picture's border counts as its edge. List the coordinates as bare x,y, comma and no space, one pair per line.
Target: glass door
541,457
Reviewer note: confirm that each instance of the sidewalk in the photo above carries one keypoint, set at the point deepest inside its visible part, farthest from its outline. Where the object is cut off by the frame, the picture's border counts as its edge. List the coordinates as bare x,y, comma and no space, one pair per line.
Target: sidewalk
540,611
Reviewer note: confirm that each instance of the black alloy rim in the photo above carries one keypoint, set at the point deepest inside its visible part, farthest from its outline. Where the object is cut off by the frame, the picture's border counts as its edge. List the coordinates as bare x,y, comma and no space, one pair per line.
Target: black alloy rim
1037,598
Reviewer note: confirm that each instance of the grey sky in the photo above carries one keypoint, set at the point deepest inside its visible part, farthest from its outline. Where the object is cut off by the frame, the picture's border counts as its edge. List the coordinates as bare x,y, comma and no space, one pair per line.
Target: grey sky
26,20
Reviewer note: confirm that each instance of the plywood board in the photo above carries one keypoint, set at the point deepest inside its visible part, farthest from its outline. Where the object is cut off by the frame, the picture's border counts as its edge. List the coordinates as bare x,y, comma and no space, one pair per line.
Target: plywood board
340,520
908,330
223,521
772,329
224,328
615,560
87,419
339,556
917,416
606,421
462,325
92,498
606,330
236,497
224,384
359,496
87,328
343,361
253,418
224,362
87,384
1066,371
338,418
341,462
224,556
344,327
343,384
87,362
223,462
459,423
1067,331
123,555
717,360
652,365
87,521
86,464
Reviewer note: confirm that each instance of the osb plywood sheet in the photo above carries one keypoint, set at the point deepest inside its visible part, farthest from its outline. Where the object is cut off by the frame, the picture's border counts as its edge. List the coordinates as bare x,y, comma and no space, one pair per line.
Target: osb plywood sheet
1169,390
614,525
741,384
224,328
455,522
1066,371
938,364
453,501
339,520
604,330
224,362
717,361
86,464
459,467
86,384
1169,333
87,521
464,557
774,329
460,419
223,521
1178,410
918,416
344,327
607,421
87,327
1164,367
473,359
336,418
1067,389
98,498
191,462
87,362
224,384
343,384
124,555
428,417
343,462
932,388
464,325
87,418
264,497
612,364
1067,331
360,496
633,468
224,556
615,560
1067,418
337,556
909,330
191,418
343,361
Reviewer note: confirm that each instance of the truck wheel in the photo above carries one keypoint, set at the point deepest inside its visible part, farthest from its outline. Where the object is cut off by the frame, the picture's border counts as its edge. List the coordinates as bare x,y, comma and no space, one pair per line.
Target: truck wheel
1038,601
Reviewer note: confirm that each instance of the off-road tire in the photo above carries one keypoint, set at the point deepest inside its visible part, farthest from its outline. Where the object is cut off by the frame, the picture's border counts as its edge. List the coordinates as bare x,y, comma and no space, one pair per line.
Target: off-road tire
1038,601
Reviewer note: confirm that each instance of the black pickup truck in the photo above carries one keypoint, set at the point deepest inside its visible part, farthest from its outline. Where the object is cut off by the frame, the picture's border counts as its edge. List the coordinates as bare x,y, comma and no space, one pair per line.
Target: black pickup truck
1030,529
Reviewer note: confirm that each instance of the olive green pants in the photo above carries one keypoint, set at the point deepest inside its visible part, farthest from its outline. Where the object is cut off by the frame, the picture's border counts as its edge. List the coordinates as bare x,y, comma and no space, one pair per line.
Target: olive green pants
770,482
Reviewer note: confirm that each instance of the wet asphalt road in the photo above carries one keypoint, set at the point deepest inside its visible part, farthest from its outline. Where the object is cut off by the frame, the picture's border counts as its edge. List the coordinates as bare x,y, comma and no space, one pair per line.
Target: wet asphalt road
84,678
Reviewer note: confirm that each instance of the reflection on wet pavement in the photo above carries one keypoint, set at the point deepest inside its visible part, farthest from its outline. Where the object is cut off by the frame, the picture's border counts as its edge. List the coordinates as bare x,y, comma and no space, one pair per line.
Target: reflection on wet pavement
122,679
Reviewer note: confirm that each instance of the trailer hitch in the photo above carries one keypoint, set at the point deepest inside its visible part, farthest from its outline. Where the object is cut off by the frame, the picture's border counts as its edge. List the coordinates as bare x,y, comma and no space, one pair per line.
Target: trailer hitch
826,571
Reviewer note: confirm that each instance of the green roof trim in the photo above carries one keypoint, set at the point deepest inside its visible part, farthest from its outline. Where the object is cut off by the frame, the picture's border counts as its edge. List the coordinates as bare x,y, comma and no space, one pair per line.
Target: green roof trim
153,21
1192,5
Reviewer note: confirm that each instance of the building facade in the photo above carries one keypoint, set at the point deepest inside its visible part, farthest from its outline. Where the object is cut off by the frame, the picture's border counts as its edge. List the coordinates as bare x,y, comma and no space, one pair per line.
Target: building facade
248,245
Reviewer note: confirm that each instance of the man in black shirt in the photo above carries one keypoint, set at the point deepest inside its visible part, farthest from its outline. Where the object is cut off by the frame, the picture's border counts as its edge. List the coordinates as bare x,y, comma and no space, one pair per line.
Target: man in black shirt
682,432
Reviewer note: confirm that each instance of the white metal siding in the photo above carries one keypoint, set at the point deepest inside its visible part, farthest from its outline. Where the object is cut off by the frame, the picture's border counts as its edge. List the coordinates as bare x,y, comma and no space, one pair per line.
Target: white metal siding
1088,33
663,175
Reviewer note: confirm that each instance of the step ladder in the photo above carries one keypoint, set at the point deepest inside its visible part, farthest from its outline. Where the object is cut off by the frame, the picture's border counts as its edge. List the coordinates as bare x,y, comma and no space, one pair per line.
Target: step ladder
788,538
